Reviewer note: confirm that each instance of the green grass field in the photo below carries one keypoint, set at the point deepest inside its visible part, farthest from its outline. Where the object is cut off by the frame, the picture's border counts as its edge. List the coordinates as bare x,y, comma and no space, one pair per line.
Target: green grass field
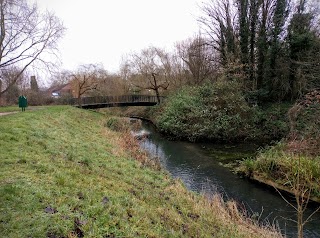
9,109
17,109
64,174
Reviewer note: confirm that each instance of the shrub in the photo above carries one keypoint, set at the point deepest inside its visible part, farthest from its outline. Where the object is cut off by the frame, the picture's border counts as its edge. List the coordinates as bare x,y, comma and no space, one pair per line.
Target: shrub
272,122
212,111
305,125
117,124
294,162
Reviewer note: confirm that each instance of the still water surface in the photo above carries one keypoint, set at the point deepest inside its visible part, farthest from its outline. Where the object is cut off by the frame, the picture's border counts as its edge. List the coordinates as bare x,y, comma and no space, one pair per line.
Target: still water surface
201,172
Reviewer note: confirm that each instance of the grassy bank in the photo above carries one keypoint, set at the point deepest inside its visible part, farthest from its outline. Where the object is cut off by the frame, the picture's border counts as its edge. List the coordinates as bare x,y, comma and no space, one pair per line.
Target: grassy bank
9,109
278,168
64,174
294,163
17,109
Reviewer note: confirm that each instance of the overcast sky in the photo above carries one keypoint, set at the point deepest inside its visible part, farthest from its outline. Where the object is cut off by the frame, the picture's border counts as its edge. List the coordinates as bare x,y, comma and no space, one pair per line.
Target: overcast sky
102,31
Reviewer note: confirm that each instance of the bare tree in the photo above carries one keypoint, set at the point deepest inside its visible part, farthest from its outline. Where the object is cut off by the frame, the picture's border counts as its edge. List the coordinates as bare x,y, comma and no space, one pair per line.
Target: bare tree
151,70
27,37
9,76
60,77
196,54
85,80
219,22
125,73
179,73
111,85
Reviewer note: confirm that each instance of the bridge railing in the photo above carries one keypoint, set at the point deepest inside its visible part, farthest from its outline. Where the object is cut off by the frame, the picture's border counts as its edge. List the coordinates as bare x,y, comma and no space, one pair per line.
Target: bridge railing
115,99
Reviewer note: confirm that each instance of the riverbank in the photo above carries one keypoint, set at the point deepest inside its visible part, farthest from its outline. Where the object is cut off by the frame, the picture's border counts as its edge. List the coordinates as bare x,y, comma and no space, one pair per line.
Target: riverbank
264,171
285,171
293,164
269,182
64,174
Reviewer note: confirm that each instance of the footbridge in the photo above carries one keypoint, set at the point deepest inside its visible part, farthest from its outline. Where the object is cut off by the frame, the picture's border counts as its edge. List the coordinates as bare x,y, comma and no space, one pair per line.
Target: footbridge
116,101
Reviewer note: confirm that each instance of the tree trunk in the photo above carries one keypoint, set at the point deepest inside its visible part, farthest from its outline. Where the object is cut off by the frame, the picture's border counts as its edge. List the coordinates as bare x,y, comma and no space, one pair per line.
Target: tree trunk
300,222
262,51
79,99
244,32
292,80
156,87
0,91
253,23
158,95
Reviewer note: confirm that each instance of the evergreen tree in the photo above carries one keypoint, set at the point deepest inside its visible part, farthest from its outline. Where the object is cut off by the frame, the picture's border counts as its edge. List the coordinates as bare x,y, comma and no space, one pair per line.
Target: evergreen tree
279,19
262,43
275,55
303,44
254,8
275,82
34,84
243,32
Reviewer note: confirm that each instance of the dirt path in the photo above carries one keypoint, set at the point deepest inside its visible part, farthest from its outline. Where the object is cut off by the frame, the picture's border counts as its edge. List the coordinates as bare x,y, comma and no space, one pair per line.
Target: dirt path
6,113
27,109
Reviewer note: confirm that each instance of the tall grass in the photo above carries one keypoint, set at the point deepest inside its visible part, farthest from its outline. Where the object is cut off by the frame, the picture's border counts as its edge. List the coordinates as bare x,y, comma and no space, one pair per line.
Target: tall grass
64,174
280,166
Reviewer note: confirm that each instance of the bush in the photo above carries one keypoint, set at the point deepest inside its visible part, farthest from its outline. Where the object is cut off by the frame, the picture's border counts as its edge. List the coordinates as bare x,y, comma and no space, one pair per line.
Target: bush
305,125
272,122
40,98
295,160
212,111
117,124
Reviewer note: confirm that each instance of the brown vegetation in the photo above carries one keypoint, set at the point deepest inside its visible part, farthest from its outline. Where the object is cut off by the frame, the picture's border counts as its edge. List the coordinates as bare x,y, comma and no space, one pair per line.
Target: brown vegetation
305,125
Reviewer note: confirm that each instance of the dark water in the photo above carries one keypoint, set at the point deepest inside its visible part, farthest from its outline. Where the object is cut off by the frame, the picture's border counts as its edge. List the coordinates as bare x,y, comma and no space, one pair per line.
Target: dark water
202,172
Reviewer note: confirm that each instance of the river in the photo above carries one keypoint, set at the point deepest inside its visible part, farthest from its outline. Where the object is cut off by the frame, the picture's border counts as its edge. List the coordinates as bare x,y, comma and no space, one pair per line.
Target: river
200,171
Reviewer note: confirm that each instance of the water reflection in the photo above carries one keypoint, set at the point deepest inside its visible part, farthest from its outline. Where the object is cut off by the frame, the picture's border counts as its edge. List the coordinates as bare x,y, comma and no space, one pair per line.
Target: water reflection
202,173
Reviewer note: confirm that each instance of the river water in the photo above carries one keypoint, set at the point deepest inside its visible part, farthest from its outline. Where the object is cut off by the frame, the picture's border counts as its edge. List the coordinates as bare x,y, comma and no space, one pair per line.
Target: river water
202,172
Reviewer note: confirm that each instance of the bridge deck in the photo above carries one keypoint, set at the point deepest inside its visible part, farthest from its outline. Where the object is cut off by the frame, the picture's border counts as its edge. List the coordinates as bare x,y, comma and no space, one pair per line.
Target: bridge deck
115,101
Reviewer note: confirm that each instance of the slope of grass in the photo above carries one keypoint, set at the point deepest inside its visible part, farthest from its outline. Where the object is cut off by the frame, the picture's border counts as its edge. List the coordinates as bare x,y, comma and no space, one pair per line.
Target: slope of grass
17,109
64,174
9,109
276,164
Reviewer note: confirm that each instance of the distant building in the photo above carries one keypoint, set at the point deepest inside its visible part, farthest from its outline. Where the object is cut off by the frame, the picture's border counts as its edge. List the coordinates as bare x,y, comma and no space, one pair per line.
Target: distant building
60,90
